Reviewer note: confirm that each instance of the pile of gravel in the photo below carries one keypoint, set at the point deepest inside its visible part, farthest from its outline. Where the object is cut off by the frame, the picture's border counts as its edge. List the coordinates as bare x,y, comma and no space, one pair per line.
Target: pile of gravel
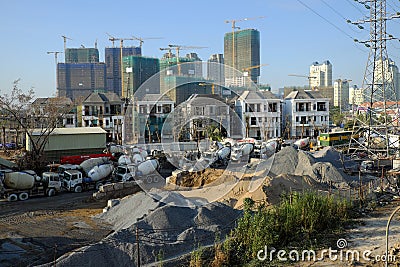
163,229
324,166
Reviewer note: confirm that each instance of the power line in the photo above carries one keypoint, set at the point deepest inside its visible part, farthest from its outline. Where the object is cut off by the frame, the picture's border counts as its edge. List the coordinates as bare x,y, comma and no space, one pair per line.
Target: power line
339,14
356,7
322,17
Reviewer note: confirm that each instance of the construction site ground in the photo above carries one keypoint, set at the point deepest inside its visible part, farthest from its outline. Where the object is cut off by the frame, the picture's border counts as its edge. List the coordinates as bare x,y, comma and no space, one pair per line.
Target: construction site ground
32,232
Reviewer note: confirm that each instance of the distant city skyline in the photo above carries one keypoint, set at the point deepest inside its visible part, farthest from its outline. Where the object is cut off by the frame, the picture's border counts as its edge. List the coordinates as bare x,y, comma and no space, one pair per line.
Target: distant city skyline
293,35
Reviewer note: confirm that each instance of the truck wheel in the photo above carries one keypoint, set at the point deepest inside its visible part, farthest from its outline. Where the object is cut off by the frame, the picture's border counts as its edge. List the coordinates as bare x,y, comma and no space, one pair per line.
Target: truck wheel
23,196
51,192
12,197
78,189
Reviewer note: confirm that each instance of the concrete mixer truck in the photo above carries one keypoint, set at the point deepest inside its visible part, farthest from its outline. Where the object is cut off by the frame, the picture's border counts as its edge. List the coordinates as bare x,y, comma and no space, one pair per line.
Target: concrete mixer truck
24,184
241,152
129,172
92,174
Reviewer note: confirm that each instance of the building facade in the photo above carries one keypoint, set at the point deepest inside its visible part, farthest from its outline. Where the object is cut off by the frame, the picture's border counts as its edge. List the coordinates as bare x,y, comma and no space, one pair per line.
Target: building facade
81,55
113,63
216,71
320,74
356,95
200,113
387,70
179,79
81,74
150,113
341,94
139,69
104,110
306,114
241,51
261,113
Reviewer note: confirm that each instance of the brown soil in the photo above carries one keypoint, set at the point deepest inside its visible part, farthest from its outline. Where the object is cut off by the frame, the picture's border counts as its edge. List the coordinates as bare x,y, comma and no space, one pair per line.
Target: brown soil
34,231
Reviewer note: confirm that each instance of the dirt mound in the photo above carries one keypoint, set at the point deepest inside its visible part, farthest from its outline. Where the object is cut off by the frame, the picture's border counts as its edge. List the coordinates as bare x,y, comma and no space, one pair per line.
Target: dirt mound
286,183
197,179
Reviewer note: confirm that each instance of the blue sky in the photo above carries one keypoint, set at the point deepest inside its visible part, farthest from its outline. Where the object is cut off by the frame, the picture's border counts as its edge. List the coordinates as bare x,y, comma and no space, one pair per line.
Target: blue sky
292,35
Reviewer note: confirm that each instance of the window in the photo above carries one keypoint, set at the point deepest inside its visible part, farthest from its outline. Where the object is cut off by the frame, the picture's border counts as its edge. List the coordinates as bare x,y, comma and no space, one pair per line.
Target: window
322,118
301,107
321,106
107,110
303,119
166,108
211,110
199,111
272,107
159,109
107,122
297,119
253,121
70,121
251,108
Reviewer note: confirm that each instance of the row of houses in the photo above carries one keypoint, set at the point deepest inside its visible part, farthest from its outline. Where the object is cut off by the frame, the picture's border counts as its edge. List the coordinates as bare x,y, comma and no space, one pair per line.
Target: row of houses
155,118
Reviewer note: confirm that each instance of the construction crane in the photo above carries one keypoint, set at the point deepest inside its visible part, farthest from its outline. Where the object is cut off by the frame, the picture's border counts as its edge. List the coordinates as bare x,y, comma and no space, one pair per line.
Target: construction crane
140,39
169,49
111,38
55,55
304,76
247,70
182,47
233,23
65,41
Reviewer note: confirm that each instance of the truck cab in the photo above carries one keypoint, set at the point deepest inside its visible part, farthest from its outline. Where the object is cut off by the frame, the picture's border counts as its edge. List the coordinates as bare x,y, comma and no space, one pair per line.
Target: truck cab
53,183
73,181
123,173
65,167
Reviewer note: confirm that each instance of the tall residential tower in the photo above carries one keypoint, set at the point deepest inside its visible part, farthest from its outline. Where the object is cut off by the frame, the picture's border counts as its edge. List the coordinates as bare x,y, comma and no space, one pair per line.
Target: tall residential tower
241,51
320,74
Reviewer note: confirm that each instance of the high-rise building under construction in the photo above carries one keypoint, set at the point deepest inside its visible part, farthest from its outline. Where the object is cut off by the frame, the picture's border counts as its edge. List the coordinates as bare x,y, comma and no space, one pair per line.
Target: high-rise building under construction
113,62
81,74
138,70
241,51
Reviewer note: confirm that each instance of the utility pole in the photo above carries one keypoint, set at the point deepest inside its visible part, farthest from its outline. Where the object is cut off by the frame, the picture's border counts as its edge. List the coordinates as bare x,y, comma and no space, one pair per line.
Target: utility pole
377,85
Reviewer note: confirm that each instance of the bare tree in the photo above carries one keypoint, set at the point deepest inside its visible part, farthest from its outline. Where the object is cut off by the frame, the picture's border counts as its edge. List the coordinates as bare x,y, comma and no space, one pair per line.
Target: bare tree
36,120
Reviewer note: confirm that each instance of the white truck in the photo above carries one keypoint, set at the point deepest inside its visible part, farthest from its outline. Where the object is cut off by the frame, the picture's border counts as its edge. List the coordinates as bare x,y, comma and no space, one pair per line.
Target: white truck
24,184
241,152
124,173
77,181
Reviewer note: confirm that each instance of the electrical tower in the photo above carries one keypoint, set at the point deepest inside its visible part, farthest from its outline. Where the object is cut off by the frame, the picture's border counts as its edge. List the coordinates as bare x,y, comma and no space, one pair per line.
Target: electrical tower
375,129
